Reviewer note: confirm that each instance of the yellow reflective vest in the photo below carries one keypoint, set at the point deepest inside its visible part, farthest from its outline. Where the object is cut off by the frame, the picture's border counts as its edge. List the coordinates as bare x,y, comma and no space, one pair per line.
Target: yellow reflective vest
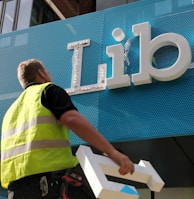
33,140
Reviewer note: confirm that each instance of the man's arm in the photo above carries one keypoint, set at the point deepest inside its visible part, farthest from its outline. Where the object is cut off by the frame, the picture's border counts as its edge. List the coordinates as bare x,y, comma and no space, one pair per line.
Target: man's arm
81,126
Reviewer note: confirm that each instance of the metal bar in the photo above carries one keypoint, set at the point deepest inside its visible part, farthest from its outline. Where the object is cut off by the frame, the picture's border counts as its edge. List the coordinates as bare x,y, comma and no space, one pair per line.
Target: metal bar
16,14
2,15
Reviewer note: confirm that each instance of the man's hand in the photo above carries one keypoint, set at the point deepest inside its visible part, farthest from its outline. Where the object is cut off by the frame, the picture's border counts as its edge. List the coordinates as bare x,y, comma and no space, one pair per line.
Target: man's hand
126,165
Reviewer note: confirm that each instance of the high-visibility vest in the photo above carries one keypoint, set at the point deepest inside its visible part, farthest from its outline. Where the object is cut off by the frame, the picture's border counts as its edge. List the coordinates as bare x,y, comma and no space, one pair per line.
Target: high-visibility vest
33,140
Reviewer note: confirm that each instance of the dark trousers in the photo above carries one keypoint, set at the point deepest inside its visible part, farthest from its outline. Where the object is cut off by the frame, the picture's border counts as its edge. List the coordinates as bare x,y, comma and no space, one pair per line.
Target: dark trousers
40,186
49,186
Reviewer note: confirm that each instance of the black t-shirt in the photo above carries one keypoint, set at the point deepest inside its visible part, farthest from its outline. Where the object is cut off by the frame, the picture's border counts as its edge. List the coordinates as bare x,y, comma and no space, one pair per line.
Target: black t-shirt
56,100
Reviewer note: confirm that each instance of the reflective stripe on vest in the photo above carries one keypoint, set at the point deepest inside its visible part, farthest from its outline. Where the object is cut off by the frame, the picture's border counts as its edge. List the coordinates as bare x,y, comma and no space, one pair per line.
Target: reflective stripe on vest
27,125
34,145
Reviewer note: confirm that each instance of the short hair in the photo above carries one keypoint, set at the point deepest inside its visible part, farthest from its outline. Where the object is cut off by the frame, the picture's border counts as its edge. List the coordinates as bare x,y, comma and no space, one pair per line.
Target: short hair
27,71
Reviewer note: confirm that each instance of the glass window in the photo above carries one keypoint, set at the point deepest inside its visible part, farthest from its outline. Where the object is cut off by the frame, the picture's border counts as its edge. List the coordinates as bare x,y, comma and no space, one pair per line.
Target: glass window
49,15
24,14
42,13
9,16
1,17
0,7
36,13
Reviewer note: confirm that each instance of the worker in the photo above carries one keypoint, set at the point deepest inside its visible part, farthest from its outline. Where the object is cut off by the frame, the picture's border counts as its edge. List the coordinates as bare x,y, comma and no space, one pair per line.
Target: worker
35,145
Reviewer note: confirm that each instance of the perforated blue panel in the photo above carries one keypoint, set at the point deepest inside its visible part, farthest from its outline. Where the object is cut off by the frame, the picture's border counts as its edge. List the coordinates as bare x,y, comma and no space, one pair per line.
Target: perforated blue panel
159,109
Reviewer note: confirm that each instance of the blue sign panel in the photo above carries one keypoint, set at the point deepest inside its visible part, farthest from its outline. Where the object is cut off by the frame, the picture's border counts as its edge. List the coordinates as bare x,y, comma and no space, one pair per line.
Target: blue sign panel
160,107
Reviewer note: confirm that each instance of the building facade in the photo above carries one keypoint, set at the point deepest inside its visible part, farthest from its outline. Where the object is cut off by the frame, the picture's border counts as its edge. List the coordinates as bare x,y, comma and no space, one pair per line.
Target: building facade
21,14
155,119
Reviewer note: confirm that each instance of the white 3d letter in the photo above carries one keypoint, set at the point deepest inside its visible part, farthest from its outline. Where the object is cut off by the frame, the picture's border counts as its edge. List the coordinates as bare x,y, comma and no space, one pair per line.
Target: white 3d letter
118,78
96,166
148,47
76,87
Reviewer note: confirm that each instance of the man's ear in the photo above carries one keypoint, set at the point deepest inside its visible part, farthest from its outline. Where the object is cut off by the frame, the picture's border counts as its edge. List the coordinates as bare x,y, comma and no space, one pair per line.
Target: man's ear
41,74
